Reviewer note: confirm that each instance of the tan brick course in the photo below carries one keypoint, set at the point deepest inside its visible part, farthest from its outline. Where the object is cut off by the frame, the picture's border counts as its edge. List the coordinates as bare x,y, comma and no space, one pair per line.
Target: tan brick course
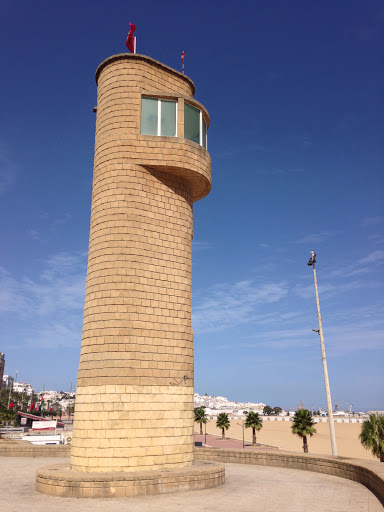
134,401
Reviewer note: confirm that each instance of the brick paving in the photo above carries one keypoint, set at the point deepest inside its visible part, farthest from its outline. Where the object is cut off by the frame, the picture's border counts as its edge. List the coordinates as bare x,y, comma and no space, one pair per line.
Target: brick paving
214,441
247,489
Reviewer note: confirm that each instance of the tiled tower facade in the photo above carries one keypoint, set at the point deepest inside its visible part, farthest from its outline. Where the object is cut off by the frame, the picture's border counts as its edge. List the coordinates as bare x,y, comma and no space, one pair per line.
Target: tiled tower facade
134,399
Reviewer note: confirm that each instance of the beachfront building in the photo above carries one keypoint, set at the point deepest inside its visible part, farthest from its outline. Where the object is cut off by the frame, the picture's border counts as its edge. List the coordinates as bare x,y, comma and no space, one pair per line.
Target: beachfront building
214,405
23,387
7,381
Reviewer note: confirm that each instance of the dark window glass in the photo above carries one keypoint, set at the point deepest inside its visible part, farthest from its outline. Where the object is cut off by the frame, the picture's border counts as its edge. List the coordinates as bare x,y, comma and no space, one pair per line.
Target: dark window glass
191,123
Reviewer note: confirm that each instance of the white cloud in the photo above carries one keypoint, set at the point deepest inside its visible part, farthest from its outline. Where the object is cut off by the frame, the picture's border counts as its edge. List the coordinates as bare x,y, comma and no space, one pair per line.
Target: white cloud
200,246
227,305
326,289
360,266
58,222
342,339
371,221
34,234
351,335
47,309
12,297
375,257
315,238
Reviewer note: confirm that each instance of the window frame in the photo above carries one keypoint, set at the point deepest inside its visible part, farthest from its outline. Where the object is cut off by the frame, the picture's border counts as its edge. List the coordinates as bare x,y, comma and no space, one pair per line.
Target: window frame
202,120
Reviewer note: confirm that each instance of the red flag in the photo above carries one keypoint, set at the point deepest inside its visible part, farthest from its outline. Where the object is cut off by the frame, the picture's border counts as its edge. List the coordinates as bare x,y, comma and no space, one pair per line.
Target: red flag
32,406
130,42
11,405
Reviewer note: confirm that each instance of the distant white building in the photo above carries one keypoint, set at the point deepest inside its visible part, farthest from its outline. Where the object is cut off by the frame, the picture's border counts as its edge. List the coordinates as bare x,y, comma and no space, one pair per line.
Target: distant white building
7,381
23,387
50,396
216,404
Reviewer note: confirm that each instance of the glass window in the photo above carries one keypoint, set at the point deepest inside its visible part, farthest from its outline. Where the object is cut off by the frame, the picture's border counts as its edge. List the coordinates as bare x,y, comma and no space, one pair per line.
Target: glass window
149,116
191,123
195,128
168,118
158,117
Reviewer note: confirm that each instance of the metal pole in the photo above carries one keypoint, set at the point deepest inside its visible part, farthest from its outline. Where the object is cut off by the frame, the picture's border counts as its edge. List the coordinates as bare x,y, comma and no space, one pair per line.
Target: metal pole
243,434
205,441
323,357
9,396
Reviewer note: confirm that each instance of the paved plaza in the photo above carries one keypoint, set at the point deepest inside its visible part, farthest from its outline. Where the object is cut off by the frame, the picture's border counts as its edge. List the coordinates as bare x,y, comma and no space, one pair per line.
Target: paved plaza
214,441
247,488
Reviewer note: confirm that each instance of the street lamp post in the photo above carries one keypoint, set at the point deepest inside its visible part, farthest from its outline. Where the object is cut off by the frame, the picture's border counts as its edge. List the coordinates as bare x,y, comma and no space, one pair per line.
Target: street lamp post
312,262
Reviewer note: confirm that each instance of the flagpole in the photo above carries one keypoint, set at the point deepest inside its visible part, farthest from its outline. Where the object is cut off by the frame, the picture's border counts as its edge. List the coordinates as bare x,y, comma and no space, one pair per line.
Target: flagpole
312,262
9,396
134,48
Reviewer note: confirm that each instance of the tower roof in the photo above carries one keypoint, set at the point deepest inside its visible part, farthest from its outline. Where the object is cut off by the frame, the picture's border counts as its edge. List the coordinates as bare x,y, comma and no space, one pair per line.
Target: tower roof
124,56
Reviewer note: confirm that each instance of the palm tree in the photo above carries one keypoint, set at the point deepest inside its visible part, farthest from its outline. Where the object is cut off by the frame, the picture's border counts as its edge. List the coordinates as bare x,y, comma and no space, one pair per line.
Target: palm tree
253,421
372,435
223,423
303,426
200,417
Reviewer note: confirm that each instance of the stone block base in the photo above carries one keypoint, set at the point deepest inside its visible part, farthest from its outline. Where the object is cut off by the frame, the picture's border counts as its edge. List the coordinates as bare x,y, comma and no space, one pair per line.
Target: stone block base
60,480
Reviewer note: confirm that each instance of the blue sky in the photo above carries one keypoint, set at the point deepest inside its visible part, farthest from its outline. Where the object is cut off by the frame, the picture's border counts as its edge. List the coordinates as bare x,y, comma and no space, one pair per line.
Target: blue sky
295,94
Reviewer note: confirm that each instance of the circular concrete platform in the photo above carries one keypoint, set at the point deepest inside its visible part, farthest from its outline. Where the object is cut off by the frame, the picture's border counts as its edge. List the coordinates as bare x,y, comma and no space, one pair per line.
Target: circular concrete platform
61,480
247,488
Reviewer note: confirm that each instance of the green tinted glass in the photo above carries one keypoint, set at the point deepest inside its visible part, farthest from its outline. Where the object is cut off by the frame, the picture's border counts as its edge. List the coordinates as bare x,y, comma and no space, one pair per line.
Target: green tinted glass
149,116
191,123
168,118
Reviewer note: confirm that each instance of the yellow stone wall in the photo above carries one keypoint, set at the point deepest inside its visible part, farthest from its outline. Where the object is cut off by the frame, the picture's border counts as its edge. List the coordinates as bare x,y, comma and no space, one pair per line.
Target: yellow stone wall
134,400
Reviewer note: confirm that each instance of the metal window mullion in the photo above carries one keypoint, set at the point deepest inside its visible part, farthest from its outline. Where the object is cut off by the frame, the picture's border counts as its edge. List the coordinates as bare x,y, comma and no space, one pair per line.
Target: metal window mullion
201,129
158,117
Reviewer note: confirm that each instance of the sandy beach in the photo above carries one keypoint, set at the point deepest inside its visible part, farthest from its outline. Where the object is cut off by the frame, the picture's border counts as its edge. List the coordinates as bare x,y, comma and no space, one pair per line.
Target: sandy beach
278,433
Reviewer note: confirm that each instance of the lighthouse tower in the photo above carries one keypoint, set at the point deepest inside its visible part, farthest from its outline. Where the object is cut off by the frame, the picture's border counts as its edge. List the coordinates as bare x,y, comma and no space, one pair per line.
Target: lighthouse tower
134,418
134,398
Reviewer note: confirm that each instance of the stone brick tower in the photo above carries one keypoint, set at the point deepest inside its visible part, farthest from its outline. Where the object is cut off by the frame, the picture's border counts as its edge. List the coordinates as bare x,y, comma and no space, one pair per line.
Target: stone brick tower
134,400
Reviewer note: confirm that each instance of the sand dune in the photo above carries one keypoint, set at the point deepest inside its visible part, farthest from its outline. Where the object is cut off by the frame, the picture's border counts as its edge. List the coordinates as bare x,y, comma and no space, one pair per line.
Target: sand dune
278,433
